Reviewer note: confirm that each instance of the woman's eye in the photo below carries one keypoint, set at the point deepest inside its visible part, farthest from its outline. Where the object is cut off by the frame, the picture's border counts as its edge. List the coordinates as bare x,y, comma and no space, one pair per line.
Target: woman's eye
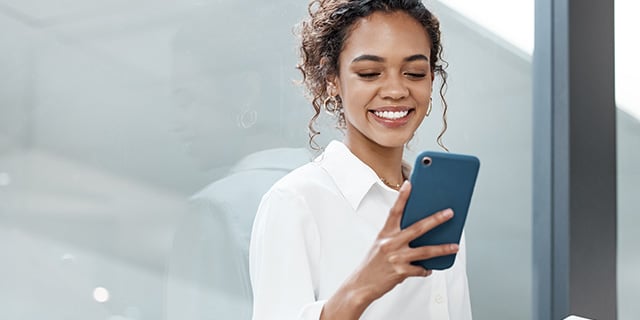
415,75
368,75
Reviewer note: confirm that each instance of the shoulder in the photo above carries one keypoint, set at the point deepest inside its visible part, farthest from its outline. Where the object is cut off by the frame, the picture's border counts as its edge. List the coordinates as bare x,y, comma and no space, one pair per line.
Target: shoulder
296,195
304,181
287,210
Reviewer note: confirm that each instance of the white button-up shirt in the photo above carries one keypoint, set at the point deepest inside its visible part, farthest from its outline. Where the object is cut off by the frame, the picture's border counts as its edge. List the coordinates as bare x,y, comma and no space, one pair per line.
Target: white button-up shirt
314,228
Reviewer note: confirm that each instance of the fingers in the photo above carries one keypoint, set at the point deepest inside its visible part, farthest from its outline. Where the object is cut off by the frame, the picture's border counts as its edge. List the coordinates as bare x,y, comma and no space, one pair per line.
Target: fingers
408,255
409,270
423,226
428,252
393,242
401,260
395,214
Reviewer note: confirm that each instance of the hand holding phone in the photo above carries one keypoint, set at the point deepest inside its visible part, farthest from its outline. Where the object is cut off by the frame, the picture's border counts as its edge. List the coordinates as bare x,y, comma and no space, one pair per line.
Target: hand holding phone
440,181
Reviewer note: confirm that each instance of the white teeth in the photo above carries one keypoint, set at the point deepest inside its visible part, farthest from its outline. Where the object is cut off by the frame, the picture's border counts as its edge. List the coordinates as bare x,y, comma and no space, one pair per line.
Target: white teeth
391,114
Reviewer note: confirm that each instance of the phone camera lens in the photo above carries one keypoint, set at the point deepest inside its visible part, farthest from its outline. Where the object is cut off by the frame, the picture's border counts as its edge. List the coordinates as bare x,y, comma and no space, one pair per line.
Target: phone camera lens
426,161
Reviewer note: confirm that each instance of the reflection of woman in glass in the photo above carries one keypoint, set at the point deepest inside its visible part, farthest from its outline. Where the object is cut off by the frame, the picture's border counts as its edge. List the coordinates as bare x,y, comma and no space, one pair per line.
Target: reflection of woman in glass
234,95
326,242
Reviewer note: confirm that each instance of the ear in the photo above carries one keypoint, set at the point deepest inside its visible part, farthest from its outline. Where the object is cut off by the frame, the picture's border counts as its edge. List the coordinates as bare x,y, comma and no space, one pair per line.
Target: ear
333,85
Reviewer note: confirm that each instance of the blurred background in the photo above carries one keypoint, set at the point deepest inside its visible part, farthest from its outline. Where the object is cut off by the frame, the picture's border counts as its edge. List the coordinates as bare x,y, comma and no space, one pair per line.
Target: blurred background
117,116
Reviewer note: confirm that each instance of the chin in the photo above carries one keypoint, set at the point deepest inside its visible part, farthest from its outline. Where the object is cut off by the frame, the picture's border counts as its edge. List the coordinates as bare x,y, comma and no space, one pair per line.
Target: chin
389,142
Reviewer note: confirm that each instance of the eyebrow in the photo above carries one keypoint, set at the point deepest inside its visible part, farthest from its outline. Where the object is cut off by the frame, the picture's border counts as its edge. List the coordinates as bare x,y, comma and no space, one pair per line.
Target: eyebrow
374,58
416,57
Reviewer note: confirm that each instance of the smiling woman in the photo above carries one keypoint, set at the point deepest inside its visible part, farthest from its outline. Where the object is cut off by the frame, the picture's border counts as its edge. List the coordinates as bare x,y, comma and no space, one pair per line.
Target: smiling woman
326,242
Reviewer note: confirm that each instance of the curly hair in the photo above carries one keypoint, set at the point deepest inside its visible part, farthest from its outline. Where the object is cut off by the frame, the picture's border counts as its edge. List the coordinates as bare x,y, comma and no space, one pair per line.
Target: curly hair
325,31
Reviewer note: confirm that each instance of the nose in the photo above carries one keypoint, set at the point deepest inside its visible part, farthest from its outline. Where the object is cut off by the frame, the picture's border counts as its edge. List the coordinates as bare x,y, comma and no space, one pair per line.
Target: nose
394,88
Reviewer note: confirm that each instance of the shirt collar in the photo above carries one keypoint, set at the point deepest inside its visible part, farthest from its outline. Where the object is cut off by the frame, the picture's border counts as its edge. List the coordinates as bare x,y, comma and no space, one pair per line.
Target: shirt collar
352,176
285,159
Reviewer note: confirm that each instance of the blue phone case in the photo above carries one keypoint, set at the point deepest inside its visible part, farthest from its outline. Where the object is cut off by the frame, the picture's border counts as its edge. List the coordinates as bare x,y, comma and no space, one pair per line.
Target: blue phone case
446,181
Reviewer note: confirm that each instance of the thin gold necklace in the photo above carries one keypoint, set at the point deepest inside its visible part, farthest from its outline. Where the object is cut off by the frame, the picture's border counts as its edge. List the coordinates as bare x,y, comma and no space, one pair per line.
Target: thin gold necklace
391,185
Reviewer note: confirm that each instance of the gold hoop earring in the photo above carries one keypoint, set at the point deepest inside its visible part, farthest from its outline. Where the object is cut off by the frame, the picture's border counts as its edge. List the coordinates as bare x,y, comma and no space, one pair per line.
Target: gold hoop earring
331,105
429,107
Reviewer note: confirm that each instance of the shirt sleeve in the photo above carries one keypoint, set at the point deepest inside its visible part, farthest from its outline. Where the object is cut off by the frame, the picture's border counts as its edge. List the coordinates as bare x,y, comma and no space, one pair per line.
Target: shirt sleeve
283,252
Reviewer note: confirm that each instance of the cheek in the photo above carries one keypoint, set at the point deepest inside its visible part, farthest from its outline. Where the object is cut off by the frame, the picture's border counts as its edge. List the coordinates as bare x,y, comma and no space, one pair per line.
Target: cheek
356,100
422,94
353,97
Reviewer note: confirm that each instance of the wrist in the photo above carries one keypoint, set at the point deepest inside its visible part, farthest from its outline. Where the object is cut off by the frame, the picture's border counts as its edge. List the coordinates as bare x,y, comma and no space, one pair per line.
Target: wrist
349,302
359,298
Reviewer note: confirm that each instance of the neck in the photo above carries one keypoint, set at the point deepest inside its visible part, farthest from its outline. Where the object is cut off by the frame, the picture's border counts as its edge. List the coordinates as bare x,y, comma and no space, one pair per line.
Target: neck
385,161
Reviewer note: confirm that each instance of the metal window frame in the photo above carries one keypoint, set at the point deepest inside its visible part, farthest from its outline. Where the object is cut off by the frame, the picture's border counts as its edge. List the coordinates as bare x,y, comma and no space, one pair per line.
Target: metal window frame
574,160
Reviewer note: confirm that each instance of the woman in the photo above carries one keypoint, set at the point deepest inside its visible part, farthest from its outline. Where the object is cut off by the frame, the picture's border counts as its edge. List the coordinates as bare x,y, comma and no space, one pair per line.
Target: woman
326,242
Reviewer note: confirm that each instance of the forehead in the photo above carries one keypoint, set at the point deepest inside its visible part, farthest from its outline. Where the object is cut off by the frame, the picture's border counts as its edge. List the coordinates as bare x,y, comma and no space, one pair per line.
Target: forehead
384,33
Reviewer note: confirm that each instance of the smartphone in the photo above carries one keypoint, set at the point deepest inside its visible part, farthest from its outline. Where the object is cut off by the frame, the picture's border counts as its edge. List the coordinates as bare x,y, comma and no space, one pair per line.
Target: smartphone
440,181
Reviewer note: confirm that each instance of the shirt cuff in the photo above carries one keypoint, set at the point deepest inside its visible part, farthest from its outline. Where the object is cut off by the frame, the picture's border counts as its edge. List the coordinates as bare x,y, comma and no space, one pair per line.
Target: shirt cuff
312,311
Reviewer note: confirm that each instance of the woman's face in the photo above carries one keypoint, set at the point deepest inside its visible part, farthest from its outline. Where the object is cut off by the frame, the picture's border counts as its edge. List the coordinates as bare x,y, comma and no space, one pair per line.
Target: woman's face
384,79
212,106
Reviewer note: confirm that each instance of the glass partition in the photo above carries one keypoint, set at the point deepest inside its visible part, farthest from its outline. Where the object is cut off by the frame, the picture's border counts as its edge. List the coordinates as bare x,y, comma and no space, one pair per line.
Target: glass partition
489,97
628,220
126,130
628,146
136,139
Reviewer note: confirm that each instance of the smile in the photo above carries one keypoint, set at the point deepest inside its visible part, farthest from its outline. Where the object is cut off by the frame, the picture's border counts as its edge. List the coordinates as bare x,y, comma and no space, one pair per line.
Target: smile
391,115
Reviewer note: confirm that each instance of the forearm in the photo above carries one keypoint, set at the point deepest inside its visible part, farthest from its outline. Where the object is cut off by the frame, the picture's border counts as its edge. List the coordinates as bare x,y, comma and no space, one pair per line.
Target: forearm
349,302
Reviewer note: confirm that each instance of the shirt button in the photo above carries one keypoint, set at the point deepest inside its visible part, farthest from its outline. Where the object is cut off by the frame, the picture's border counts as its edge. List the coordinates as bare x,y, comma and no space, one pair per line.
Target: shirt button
439,299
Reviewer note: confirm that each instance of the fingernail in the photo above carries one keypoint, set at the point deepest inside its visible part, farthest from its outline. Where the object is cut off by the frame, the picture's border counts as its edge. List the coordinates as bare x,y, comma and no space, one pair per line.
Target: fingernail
404,185
454,247
448,213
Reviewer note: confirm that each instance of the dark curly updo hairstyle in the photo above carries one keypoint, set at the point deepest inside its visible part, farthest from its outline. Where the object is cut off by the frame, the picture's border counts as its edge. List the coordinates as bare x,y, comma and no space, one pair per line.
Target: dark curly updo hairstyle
325,31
